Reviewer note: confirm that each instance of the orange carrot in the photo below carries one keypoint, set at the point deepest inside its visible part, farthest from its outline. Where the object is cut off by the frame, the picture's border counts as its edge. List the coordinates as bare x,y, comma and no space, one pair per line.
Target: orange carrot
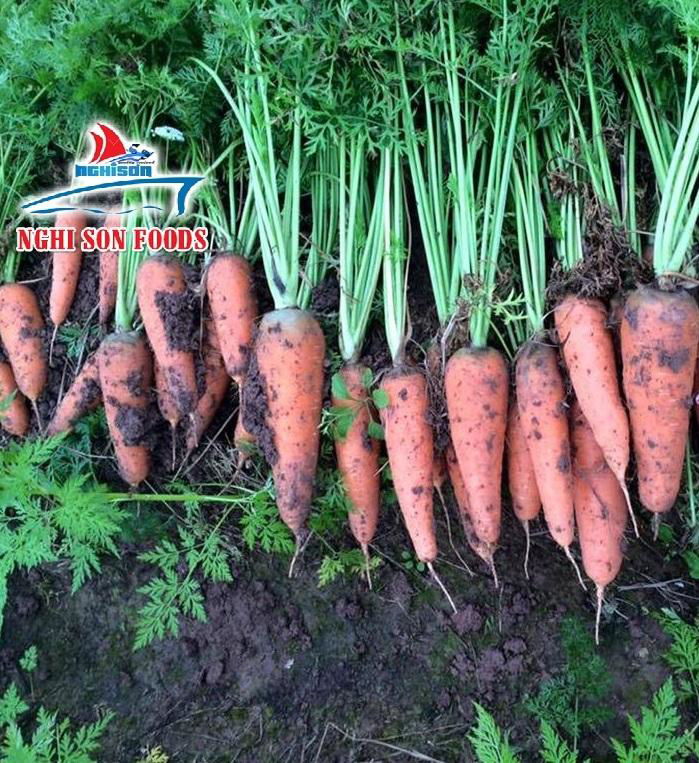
659,337
125,373
162,299
458,486
109,268
14,417
66,268
524,493
233,309
21,328
290,354
476,385
543,415
410,453
588,352
216,383
600,509
358,460
83,396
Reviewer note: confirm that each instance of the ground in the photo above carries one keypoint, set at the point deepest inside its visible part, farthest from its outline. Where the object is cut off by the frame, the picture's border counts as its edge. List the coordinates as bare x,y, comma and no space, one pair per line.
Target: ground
286,671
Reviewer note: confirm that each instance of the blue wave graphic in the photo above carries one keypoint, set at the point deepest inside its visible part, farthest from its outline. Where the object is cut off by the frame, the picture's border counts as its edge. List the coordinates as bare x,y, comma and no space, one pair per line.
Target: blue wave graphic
186,183
95,211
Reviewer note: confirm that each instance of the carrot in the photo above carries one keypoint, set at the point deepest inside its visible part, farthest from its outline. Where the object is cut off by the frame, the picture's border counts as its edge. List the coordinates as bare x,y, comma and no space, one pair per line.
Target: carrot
21,328
290,354
543,415
162,290
476,386
66,268
410,450
410,453
659,336
109,267
125,374
14,417
521,479
358,460
600,509
233,309
588,351
83,396
216,383
458,486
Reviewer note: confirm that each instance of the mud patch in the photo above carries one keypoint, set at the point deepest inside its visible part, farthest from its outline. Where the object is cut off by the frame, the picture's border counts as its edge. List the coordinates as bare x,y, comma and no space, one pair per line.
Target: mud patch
130,421
177,314
256,411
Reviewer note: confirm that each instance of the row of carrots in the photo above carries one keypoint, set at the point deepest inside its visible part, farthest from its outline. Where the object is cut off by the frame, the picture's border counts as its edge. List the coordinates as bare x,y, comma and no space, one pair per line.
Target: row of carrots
572,462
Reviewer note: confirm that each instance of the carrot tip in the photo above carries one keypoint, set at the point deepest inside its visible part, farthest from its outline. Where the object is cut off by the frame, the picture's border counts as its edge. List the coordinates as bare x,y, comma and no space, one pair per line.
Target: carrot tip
627,497
441,585
38,417
367,565
655,525
575,564
525,525
302,538
600,601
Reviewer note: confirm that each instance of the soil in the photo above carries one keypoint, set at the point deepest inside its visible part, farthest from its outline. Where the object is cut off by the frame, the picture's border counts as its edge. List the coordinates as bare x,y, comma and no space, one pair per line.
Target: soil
284,670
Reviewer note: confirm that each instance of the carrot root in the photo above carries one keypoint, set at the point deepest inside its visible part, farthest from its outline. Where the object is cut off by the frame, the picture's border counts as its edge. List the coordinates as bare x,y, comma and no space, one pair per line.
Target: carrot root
525,526
575,566
598,612
438,581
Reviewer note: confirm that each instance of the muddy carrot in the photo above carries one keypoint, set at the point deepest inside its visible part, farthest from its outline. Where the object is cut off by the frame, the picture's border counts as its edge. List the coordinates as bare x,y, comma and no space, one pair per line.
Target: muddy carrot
109,267
164,306
125,373
477,388
659,336
600,509
588,351
66,268
233,309
289,354
21,328
544,418
14,417
216,383
410,453
358,458
83,396
521,478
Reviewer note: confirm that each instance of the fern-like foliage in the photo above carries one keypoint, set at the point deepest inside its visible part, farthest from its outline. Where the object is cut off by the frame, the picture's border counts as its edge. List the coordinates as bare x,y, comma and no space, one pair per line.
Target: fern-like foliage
199,551
261,524
46,516
683,654
656,738
489,742
52,741
554,749
574,701
344,563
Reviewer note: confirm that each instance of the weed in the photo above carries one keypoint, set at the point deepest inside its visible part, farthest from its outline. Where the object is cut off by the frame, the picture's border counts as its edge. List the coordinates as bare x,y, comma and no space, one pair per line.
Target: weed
46,516
52,741
683,654
344,563
490,744
573,701
200,551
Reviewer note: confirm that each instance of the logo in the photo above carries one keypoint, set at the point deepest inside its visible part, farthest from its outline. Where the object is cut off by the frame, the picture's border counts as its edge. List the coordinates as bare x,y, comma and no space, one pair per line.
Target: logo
114,164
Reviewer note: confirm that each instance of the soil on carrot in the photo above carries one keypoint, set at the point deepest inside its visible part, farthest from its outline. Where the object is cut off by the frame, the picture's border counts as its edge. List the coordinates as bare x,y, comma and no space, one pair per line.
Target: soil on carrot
284,669
178,316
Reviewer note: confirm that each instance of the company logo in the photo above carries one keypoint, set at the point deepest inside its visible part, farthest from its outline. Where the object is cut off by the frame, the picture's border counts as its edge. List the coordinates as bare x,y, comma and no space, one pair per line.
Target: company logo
123,164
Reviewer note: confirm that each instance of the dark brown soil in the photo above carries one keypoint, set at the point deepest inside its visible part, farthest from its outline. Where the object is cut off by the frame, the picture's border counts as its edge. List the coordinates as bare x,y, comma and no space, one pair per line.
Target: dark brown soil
178,316
284,670
256,410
